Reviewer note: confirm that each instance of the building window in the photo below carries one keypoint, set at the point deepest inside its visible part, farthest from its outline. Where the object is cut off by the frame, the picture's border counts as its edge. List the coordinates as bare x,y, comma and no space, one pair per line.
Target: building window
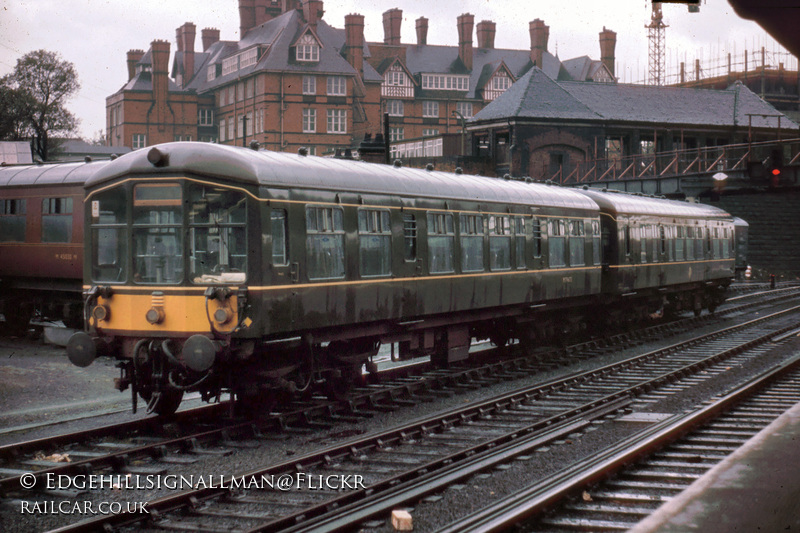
395,108
250,57
430,109
249,88
309,120
337,121
395,77
501,82
231,94
472,231
375,242
239,92
12,220
222,130
57,220
441,239
465,109
396,134
309,85
205,117
231,125
230,65
259,125
179,138
337,86
139,141
325,242
445,82
307,48
211,72
430,132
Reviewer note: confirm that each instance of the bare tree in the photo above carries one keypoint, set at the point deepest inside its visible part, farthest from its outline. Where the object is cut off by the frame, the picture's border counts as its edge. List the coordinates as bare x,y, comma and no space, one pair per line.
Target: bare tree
47,82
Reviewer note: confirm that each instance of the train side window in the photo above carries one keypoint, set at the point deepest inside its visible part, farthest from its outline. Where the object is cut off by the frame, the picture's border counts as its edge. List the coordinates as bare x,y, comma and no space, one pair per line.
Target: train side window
577,243
627,237
690,243
57,220
536,230
500,243
374,242
698,243
556,237
472,232
679,242
441,241
643,234
280,253
662,231
409,237
596,256
519,237
12,220
325,242
726,244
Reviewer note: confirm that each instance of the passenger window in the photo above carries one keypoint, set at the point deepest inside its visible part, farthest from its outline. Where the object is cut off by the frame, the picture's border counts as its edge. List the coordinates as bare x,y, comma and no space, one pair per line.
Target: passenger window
500,242
596,256
536,230
679,255
627,237
577,243
12,220
556,242
57,220
409,237
280,253
374,242
519,237
325,242
441,241
472,232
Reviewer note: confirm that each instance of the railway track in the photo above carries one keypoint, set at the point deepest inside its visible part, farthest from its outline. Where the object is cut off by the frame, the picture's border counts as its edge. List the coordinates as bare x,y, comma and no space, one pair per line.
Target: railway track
142,446
455,446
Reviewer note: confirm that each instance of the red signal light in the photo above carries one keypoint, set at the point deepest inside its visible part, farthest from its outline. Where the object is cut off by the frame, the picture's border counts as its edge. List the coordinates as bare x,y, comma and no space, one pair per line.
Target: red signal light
776,172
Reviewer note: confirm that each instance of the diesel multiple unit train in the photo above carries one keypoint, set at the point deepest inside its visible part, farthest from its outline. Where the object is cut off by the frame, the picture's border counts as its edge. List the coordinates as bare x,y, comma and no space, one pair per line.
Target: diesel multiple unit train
212,268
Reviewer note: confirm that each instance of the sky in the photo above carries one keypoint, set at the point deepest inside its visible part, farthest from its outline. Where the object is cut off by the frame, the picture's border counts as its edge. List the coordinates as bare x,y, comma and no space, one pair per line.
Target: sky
95,35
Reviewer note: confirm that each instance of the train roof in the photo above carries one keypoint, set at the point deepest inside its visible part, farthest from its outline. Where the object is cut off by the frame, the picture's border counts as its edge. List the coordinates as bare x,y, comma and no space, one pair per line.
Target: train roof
619,203
293,171
48,174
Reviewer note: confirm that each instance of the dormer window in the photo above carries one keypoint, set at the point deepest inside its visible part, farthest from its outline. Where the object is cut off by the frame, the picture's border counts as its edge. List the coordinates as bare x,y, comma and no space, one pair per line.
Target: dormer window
307,48
501,82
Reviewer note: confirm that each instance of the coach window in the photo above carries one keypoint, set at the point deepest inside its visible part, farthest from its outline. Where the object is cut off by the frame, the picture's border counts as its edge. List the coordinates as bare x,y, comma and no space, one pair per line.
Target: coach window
441,241
409,237
374,242
325,242
536,230
577,243
556,243
57,220
596,250
280,254
726,244
499,243
109,246
472,231
643,235
699,237
12,220
157,235
519,238
679,243
217,221
689,243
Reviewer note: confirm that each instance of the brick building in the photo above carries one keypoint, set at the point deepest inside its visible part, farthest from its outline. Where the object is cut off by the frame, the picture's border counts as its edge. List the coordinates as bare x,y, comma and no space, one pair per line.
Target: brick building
294,80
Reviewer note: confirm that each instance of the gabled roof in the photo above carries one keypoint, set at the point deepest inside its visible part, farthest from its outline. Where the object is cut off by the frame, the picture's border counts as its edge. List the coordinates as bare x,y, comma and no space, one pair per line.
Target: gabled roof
537,96
490,69
582,69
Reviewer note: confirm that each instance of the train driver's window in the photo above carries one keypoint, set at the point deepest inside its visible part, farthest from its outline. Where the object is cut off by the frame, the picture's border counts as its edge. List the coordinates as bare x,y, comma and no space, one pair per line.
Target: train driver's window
12,220
374,242
109,244
500,242
441,242
325,242
280,254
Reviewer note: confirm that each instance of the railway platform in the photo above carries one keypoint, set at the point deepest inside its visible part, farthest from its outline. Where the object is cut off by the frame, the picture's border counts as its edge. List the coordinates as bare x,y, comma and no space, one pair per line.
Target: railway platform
757,488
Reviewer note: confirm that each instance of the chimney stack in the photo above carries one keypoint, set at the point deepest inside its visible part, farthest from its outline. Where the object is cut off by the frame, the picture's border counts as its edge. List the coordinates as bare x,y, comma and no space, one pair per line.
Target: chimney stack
422,30
486,32
247,16
392,20
134,56
539,35
209,36
186,35
608,42
466,23
354,41
160,53
312,11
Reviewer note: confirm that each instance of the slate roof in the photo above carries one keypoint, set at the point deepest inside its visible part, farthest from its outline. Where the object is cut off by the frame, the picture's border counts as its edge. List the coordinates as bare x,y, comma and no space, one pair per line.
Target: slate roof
537,96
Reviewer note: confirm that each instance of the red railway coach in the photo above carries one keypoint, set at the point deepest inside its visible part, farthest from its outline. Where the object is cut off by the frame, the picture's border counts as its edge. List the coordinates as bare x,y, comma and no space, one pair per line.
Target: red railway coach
41,242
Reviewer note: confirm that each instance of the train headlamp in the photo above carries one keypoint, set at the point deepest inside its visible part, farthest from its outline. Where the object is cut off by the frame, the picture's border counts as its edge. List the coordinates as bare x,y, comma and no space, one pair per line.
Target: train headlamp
101,312
155,315
223,315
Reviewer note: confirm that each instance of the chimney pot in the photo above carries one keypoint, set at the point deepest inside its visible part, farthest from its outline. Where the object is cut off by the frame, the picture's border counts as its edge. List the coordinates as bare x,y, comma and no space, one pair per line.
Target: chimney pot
392,20
608,42
465,25
247,16
540,32
422,30
312,11
486,32
209,36
354,41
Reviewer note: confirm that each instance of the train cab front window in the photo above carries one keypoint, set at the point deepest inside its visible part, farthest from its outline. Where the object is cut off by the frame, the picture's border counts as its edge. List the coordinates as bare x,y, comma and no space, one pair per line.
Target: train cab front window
109,247
157,235
217,236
